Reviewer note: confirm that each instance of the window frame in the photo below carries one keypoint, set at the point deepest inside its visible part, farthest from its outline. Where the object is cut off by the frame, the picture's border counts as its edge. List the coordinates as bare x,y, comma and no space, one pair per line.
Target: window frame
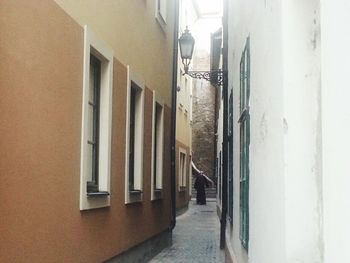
101,51
161,13
244,126
157,148
230,159
135,194
92,186
182,171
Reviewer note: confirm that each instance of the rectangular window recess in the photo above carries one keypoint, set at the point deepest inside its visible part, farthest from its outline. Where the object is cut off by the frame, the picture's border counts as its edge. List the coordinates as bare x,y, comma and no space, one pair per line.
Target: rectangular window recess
98,194
161,12
134,138
182,170
157,147
95,154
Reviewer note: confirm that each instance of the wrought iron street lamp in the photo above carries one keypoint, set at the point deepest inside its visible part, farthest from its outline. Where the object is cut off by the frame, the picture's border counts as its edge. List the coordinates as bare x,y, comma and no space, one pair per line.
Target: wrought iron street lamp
186,42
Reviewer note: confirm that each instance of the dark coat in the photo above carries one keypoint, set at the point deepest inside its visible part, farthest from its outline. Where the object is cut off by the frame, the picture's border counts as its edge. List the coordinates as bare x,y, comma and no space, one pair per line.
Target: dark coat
200,184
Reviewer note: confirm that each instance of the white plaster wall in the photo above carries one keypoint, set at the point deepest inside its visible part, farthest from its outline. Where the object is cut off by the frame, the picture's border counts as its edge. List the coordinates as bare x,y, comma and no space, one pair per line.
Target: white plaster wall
302,131
335,34
262,21
300,121
286,139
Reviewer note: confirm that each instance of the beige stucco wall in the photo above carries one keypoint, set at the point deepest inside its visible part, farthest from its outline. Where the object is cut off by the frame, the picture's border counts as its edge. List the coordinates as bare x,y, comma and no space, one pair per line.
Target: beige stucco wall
183,196
184,110
134,34
183,128
184,107
184,136
41,84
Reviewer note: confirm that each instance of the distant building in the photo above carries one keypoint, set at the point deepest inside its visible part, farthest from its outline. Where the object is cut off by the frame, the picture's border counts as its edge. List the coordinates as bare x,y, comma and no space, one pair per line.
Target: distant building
203,129
187,17
198,94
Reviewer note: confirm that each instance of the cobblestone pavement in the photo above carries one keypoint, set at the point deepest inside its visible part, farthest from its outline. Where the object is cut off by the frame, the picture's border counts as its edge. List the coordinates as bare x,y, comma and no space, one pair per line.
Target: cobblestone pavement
195,237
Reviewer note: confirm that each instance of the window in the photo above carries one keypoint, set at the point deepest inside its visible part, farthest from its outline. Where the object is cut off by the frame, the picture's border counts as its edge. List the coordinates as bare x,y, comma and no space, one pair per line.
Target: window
132,117
161,12
244,122
230,160
182,169
157,148
96,123
134,139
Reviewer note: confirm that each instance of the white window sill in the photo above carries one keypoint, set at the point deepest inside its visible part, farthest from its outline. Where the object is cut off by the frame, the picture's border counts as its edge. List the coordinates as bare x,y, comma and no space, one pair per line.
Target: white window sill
97,194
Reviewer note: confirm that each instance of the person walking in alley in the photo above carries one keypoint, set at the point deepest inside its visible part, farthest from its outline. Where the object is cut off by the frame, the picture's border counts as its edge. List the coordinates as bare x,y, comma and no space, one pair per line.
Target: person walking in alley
201,182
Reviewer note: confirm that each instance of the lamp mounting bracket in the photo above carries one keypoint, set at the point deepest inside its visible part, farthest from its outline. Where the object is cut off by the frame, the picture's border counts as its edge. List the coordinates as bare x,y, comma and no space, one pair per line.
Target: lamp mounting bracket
216,77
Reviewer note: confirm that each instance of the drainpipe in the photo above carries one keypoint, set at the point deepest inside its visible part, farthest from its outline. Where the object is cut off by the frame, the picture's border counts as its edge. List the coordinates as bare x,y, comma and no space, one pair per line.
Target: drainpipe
173,118
225,125
216,163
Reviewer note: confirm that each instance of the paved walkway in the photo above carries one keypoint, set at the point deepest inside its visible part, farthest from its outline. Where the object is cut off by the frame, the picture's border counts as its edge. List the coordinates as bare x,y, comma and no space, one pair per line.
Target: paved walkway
195,237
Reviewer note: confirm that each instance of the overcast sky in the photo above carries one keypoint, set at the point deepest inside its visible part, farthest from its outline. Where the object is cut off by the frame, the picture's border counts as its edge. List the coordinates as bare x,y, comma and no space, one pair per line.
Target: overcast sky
211,12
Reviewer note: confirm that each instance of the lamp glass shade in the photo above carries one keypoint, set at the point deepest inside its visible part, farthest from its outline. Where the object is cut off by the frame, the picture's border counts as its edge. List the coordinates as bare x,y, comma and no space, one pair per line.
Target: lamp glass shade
186,42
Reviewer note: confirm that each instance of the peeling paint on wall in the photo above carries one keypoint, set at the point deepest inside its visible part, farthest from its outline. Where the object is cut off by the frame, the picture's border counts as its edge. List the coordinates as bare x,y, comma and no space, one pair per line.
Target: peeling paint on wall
285,126
263,127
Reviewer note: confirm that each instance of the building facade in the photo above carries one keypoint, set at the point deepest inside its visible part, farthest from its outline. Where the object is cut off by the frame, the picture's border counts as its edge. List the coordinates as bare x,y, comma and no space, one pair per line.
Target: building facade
287,64
85,113
198,94
187,17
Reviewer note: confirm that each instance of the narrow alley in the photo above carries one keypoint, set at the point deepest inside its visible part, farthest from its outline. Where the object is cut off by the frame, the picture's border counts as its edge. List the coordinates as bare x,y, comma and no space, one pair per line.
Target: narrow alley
118,117
195,237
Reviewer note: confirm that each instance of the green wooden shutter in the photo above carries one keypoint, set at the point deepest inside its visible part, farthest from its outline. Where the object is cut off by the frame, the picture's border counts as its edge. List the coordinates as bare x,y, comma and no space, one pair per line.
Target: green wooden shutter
230,161
244,121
